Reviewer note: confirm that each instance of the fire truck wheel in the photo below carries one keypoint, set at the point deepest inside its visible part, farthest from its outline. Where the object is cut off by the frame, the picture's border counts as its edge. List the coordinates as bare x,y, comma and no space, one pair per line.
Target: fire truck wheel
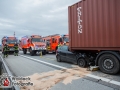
24,51
31,52
43,52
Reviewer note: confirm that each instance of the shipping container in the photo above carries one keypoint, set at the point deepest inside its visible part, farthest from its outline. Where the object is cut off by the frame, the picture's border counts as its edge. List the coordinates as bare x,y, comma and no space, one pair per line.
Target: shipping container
94,33
95,25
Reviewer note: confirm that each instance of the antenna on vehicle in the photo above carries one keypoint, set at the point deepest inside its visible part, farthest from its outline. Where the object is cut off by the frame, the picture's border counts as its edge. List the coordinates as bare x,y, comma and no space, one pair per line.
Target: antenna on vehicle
14,34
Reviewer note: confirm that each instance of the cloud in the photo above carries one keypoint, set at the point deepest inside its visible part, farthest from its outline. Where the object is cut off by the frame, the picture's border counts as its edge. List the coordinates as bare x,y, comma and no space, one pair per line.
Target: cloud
27,17
6,24
60,9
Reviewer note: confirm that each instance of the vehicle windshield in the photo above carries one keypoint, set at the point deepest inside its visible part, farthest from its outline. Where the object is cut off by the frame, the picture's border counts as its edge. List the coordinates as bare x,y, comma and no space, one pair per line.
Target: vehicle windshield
37,40
63,48
47,42
65,39
11,41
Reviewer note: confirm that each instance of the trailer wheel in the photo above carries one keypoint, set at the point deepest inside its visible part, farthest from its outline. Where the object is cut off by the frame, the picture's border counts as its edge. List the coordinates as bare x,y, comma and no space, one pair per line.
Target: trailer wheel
82,62
58,58
109,64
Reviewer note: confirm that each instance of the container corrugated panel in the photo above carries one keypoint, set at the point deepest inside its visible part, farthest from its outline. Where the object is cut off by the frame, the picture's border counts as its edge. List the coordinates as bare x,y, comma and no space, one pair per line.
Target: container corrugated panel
94,25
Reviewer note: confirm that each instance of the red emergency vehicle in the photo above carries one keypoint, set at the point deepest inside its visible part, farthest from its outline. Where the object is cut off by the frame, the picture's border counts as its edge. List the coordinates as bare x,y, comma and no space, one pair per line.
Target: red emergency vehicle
52,41
33,44
10,41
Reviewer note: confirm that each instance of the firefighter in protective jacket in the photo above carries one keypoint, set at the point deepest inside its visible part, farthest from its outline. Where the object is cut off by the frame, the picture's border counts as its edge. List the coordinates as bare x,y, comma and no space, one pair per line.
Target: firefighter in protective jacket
8,49
16,49
5,50
59,45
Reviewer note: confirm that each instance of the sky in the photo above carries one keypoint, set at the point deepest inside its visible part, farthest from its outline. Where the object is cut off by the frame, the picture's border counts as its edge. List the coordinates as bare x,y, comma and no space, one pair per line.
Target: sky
28,17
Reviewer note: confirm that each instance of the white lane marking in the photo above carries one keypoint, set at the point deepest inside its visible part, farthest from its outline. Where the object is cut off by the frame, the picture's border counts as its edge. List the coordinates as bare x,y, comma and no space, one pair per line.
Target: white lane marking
44,62
89,75
47,58
97,77
115,82
104,79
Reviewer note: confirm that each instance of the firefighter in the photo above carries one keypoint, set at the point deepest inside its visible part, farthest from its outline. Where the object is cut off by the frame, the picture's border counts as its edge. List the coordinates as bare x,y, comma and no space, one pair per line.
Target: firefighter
59,45
8,50
5,50
16,49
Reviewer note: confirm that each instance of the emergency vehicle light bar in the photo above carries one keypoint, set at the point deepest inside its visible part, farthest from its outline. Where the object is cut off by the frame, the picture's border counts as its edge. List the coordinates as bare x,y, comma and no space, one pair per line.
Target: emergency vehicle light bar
25,37
51,35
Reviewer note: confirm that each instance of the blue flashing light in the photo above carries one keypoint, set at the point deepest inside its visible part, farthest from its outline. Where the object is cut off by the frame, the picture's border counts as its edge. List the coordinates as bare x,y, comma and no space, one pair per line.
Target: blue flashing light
63,35
25,37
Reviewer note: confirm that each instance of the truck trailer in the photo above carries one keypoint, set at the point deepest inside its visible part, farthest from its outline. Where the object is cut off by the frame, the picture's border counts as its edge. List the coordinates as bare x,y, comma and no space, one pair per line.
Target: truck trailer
94,33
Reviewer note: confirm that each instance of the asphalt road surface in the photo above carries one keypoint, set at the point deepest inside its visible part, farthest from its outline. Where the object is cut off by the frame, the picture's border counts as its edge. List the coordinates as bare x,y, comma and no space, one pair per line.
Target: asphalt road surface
25,65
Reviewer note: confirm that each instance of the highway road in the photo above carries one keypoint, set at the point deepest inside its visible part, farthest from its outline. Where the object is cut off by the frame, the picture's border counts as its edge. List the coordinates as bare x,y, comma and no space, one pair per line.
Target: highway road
26,65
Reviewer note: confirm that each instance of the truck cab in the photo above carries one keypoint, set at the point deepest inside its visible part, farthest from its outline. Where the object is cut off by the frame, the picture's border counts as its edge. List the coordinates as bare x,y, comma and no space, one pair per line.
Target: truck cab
33,44
52,41
10,41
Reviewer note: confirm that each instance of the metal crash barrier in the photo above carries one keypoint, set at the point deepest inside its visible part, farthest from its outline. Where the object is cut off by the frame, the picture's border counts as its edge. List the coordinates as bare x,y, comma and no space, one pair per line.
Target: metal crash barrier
4,69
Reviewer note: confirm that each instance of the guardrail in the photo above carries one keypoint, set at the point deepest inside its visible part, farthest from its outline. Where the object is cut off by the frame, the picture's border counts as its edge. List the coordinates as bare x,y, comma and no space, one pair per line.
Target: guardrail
4,68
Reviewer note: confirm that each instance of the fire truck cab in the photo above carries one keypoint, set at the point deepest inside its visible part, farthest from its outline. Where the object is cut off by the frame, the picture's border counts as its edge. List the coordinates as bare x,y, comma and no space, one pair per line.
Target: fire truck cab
10,41
52,42
33,44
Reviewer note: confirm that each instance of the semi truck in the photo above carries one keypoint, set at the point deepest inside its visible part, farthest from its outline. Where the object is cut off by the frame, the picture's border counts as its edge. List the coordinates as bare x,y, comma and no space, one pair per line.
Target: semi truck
94,33
33,44
52,41
10,41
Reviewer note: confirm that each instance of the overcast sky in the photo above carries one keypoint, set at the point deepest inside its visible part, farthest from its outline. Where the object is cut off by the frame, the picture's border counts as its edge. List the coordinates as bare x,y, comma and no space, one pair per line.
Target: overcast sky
26,17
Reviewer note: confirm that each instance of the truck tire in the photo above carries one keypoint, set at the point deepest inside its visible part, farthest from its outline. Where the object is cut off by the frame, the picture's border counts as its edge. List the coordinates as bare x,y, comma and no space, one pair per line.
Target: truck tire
109,64
47,52
82,62
43,52
24,51
31,52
